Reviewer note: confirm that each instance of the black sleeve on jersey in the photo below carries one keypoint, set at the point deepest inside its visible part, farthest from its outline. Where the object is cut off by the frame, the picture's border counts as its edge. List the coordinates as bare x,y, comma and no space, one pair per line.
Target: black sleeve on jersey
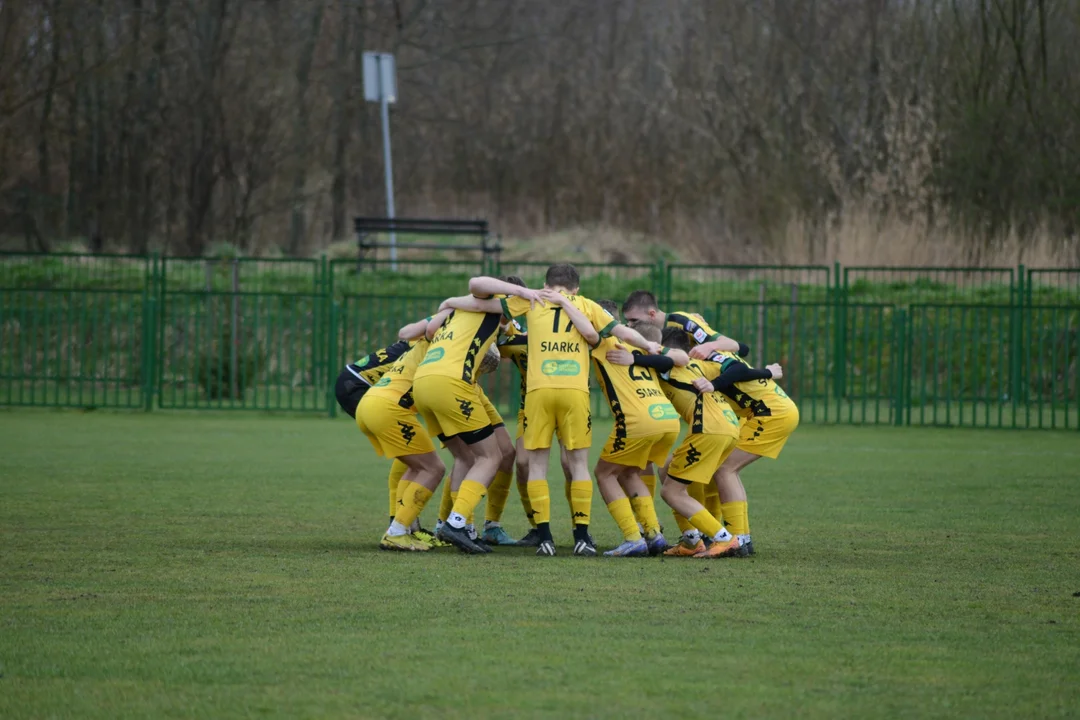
737,373
393,352
661,363
744,349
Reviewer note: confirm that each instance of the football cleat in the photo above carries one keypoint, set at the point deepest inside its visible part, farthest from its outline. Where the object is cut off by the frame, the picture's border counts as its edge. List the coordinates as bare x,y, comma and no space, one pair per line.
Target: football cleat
585,548
406,543
657,543
497,536
723,548
459,538
630,548
748,543
429,537
531,539
545,548
682,549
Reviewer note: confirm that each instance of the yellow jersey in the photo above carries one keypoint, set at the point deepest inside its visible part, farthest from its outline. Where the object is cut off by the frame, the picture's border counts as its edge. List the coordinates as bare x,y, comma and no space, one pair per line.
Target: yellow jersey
558,354
695,328
705,414
396,383
514,346
637,402
754,398
372,367
459,345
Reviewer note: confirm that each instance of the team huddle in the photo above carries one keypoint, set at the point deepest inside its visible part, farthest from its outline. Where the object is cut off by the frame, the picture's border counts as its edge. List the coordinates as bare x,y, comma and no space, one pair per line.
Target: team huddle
657,371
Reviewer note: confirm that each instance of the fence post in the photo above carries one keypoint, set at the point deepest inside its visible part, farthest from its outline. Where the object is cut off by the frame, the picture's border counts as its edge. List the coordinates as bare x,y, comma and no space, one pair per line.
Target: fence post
840,354
1016,341
900,345
331,352
150,341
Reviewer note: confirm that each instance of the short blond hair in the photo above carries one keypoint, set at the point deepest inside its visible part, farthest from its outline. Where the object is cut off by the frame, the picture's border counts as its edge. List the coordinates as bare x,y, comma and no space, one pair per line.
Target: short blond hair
646,329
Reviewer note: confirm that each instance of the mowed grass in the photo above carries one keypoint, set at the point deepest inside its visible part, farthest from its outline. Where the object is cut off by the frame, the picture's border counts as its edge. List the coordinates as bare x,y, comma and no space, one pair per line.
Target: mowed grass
174,565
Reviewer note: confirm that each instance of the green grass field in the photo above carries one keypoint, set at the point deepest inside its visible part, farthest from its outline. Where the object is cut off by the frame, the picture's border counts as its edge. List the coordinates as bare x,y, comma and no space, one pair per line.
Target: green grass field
173,565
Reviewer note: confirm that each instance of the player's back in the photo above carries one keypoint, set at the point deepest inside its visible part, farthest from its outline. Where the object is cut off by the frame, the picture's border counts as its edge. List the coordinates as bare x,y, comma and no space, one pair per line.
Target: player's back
755,398
558,354
708,413
637,401
459,344
373,366
396,383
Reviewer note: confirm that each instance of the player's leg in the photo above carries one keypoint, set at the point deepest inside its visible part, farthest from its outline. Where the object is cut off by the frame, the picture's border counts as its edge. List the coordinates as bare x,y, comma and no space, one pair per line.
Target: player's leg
532,538
567,482
484,455
732,493
608,480
396,433
694,463
499,492
574,428
393,480
537,442
640,494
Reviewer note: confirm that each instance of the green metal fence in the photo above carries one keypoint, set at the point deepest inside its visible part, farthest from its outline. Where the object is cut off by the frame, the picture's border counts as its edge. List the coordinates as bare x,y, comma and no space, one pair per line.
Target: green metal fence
862,345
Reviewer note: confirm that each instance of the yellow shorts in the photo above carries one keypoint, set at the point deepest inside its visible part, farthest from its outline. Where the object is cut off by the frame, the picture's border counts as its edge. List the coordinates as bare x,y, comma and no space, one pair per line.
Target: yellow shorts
698,457
640,451
766,436
550,411
521,423
493,415
392,430
451,405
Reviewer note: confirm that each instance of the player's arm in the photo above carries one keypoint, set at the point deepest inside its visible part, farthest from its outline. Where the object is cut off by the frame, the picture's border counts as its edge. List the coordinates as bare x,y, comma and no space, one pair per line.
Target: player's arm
633,337
471,303
737,372
722,343
486,287
582,323
436,322
622,356
414,330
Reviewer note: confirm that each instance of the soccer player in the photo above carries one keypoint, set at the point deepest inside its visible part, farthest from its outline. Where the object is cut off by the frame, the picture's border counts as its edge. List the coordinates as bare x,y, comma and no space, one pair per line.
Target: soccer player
560,336
713,433
646,428
769,417
513,344
640,306
386,415
447,396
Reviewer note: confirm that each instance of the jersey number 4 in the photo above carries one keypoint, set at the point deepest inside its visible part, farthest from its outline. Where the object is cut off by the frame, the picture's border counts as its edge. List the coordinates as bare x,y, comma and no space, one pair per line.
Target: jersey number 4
558,317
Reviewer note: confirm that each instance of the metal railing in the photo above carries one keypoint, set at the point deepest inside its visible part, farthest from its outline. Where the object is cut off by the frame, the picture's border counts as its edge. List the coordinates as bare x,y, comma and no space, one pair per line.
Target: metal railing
1000,348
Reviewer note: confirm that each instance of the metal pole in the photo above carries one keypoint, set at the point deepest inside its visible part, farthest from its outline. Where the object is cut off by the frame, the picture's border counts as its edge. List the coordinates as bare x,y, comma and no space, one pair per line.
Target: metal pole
388,166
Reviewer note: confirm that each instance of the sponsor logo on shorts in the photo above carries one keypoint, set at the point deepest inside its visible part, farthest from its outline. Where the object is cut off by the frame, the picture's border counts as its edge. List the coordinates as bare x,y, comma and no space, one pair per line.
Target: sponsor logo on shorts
407,432
560,367
663,411
692,455
433,355
732,417
466,407
780,392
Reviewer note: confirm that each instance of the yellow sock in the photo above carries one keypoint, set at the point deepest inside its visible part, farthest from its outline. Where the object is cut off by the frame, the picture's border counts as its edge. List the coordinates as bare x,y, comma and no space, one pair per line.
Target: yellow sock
396,471
498,494
523,491
447,502
645,513
736,517
650,482
706,523
624,518
468,497
540,499
712,501
684,524
413,499
581,501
